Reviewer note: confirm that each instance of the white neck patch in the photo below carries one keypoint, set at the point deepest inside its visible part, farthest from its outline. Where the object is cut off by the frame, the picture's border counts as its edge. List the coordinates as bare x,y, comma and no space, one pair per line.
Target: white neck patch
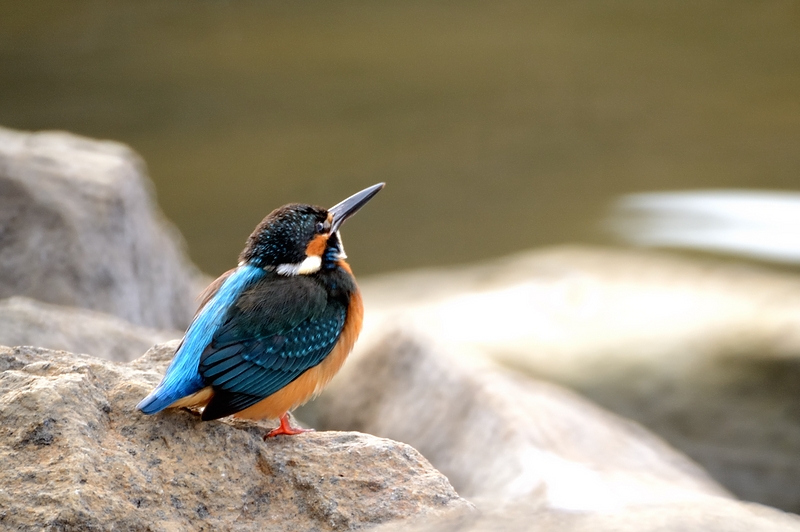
310,265
342,254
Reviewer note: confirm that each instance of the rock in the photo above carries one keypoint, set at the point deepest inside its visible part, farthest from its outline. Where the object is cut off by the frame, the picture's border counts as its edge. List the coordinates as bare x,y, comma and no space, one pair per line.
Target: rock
78,227
500,437
26,321
77,456
704,353
712,515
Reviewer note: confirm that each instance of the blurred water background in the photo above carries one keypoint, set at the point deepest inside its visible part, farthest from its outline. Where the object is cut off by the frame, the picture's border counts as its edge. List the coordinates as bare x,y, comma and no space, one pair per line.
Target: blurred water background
497,125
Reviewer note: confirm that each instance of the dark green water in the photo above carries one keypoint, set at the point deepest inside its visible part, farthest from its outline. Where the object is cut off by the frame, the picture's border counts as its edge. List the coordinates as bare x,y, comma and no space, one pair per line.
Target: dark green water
497,125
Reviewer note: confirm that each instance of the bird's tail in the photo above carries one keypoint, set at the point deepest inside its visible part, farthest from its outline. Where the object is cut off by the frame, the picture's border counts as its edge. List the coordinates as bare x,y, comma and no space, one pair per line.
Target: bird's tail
158,400
168,393
180,380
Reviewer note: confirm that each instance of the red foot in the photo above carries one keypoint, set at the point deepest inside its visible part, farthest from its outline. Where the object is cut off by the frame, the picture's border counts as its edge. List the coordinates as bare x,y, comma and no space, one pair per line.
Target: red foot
285,428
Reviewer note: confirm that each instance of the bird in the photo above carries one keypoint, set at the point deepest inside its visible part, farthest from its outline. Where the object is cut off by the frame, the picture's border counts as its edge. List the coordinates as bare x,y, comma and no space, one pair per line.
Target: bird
271,333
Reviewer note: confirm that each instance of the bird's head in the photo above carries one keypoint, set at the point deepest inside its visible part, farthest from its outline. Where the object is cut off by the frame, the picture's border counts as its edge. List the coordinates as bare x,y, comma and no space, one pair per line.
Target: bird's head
299,239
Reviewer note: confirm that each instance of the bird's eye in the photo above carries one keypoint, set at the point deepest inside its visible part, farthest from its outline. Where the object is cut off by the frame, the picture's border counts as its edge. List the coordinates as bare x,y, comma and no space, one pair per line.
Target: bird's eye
320,227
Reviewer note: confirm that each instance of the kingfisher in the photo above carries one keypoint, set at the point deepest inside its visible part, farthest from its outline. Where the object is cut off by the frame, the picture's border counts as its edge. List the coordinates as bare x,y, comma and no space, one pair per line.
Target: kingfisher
271,333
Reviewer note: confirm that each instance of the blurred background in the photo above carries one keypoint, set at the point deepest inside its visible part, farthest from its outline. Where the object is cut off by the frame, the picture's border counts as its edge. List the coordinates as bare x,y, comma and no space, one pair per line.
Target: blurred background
498,125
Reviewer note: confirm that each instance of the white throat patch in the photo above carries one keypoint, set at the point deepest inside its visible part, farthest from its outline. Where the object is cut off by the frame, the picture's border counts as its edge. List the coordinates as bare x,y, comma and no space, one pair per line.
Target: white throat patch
342,254
310,265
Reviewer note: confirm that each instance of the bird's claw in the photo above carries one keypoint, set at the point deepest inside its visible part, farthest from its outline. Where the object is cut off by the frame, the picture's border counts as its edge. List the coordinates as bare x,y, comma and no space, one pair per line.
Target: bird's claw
285,428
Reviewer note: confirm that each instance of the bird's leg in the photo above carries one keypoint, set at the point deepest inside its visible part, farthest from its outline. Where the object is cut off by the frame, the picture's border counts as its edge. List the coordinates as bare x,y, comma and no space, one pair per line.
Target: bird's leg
286,428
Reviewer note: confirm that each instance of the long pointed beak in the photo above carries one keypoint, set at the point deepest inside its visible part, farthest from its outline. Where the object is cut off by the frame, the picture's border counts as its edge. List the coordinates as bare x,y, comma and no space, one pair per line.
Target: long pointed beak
347,208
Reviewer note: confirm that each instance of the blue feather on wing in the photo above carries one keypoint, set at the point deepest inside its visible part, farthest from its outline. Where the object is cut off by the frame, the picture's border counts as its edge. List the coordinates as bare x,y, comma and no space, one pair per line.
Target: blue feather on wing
182,377
244,371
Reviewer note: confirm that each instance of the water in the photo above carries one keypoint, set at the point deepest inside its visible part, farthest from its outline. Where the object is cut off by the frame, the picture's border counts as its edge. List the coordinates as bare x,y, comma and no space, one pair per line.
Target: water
496,125
759,224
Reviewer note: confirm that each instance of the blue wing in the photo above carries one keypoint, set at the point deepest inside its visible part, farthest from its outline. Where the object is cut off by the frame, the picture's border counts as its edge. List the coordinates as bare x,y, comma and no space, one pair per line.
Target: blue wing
276,331
182,378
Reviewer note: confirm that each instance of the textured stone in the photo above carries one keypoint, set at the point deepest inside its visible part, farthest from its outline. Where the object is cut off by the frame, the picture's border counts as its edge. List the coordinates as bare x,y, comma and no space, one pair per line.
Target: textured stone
25,321
77,456
78,227
499,436
704,353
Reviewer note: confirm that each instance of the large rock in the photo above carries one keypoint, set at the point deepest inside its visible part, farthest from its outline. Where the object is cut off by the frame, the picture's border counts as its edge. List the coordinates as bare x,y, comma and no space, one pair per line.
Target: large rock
78,227
77,456
500,437
25,321
705,353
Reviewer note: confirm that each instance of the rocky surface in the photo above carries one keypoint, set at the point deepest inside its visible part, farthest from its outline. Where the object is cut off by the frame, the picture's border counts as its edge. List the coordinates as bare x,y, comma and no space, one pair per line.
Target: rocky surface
705,353
711,515
78,227
25,321
499,436
76,456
